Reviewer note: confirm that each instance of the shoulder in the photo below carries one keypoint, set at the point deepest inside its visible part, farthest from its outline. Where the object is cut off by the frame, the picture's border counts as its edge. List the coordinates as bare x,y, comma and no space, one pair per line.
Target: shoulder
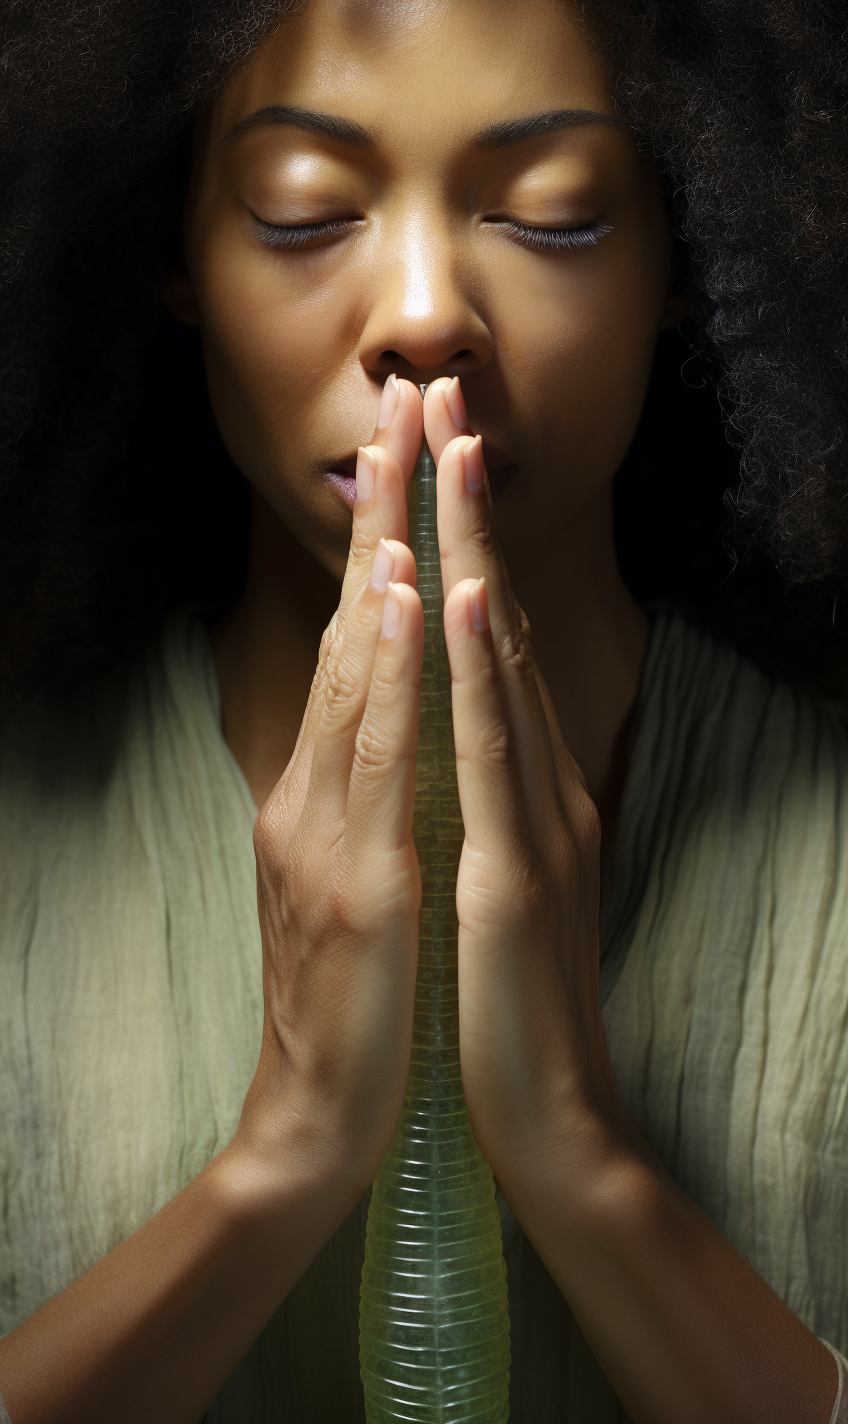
108,739
735,806
717,739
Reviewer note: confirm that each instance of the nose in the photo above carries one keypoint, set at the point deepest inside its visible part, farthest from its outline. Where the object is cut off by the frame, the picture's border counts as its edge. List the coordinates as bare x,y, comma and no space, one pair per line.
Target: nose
422,320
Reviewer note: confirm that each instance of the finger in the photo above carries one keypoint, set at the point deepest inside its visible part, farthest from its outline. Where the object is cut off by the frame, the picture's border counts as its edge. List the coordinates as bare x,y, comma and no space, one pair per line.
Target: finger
379,512
383,473
340,700
404,570
468,550
445,416
488,773
400,423
449,438
295,779
381,794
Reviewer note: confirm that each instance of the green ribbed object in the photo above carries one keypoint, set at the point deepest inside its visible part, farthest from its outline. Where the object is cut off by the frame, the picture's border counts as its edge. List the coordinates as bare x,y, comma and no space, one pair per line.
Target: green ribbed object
433,1324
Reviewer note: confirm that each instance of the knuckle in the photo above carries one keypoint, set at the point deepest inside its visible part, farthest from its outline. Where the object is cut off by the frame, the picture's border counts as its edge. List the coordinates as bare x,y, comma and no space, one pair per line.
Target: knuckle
341,909
493,745
529,886
515,652
269,833
329,638
372,753
361,550
340,688
486,673
481,539
497,746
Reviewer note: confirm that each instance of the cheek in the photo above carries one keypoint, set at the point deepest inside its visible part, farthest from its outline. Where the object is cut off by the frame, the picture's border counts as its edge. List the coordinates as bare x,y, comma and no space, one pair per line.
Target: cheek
273,340
584,356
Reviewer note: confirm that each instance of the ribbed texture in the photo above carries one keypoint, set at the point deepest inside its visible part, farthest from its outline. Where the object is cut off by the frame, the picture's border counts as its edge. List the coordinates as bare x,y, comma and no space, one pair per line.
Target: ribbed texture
434,1330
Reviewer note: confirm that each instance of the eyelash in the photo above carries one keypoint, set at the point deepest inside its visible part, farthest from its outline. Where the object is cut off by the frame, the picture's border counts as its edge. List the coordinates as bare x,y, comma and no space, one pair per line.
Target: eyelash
555,239
275,236
538,239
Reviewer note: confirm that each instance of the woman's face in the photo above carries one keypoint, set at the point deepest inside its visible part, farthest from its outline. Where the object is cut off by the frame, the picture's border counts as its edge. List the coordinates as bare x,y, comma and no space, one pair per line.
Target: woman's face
425,187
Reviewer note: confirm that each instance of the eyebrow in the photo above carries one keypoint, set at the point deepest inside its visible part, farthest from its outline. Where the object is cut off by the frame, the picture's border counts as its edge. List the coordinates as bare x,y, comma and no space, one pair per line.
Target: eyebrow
511,131
327,125
500,135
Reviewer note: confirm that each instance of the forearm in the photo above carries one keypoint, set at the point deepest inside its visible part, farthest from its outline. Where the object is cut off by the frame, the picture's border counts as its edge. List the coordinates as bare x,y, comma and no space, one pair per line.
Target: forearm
680,1323
154,1329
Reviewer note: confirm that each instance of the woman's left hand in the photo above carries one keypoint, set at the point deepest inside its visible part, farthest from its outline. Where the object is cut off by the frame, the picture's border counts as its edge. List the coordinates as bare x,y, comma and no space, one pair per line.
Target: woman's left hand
534,1061
679,1322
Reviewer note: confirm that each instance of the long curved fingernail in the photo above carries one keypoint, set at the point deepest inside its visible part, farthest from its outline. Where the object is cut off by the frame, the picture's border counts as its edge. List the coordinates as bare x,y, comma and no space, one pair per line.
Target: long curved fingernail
472,460
388,403
455,404
391,611
366,474
381,569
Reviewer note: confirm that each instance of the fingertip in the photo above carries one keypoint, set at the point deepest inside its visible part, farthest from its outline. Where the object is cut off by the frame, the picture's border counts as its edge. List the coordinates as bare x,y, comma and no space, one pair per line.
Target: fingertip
467,629
456,404
458,607
407,389
445,416
474,465
366,474
404,566
403,612
402,436
392,610
437,388
388,402
478,606
383,566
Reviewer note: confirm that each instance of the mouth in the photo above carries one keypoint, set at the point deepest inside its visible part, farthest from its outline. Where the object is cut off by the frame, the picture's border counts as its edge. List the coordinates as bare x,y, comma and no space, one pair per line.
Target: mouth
342,475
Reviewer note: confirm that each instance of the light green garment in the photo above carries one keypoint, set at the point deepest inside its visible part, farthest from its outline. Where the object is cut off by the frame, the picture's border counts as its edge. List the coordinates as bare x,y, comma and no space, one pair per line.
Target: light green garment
131,1004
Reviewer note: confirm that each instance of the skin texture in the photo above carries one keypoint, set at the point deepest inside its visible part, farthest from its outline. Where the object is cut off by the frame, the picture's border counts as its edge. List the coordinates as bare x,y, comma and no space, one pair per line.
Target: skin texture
553,352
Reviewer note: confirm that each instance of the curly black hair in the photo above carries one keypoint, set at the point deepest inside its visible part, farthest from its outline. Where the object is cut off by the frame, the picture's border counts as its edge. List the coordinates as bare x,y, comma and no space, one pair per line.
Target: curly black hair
118,499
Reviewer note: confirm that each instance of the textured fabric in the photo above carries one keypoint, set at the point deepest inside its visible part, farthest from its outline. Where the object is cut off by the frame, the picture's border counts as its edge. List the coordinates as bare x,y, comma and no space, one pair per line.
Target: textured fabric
724,979
131,1005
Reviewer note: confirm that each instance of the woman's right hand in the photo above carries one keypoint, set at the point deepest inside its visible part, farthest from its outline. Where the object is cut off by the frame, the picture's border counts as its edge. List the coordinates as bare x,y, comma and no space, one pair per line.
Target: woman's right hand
155,1328
337,873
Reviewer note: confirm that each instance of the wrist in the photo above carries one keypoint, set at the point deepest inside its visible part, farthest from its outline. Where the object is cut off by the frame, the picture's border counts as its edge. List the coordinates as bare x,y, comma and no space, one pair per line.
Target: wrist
269,1162
577,1166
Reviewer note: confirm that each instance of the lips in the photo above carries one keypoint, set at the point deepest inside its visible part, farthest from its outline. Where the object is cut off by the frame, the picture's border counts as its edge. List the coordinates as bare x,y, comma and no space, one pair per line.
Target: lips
343,479
342,474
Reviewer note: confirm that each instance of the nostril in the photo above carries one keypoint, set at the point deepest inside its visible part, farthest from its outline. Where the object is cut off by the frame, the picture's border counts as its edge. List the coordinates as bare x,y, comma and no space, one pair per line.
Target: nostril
411,362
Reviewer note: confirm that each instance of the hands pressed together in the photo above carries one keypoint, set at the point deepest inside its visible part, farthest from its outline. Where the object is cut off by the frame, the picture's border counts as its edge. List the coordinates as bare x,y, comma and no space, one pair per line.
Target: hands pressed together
677,1319
338,878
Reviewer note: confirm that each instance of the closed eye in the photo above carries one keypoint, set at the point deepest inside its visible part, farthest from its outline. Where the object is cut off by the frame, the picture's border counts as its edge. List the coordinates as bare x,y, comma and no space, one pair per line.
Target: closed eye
540,239
553,239
298,235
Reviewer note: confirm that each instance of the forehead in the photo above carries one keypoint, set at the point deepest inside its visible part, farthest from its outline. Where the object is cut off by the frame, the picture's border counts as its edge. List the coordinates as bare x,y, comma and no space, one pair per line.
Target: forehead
422,68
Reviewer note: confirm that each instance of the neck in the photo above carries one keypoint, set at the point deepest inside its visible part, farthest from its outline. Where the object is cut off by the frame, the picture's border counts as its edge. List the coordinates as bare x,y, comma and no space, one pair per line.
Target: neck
589,640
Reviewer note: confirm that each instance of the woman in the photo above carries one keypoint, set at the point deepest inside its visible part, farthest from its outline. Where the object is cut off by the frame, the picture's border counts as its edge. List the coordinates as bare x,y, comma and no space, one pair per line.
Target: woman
382,196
